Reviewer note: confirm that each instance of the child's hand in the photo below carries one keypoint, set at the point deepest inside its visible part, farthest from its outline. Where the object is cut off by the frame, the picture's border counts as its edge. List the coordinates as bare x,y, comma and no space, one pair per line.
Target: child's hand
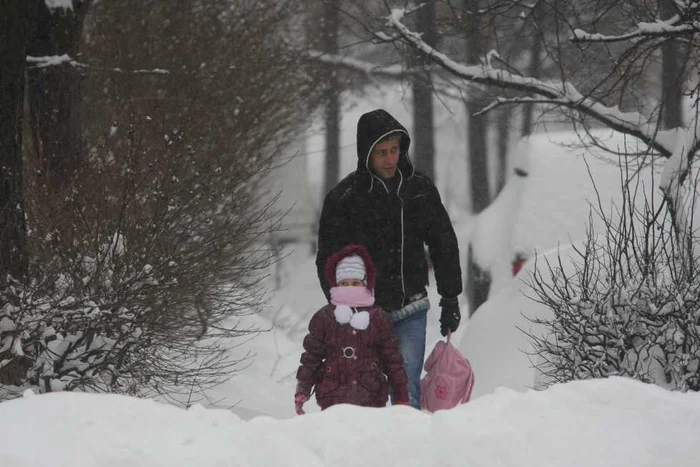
299,400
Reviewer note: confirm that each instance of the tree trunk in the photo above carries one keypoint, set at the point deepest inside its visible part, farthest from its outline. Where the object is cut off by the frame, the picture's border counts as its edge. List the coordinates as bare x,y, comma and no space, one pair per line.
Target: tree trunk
478,156
332,111
502,142
54,91
672,75
535,71
15,21
477,125
423,124
478,281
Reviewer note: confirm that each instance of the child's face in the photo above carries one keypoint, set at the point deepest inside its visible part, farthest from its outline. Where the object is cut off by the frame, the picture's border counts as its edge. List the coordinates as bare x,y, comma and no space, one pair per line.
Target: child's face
351,283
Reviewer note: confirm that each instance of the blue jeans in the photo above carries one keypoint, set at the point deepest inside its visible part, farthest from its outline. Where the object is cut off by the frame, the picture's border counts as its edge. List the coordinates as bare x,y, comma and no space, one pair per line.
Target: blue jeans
410,332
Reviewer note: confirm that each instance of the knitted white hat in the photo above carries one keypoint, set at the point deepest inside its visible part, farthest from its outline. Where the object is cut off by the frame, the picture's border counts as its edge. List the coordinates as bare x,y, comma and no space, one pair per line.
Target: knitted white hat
350,267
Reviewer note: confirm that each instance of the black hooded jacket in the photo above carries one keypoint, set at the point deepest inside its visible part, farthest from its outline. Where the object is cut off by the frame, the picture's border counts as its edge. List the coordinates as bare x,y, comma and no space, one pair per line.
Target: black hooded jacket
393,224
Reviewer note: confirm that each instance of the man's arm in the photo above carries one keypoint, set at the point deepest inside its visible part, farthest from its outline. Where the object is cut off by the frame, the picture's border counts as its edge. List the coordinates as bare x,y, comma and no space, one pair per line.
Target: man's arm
444,253
443,248
333,234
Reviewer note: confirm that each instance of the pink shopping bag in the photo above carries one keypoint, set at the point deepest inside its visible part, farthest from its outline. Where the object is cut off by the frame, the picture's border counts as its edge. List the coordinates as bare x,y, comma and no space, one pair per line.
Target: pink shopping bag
449,380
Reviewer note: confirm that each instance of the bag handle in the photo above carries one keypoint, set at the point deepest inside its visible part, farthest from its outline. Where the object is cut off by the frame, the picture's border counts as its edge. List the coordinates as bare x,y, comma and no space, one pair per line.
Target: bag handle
444,352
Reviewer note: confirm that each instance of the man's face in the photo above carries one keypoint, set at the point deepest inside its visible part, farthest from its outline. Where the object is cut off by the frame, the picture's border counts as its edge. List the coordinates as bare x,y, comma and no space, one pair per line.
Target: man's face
385,157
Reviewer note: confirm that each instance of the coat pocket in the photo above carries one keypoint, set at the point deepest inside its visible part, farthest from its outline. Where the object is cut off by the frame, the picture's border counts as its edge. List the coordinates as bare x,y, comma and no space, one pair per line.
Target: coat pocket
373,380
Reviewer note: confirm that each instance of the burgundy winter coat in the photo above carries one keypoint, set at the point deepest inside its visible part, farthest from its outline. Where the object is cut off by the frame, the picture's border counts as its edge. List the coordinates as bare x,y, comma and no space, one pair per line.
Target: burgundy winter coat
350,366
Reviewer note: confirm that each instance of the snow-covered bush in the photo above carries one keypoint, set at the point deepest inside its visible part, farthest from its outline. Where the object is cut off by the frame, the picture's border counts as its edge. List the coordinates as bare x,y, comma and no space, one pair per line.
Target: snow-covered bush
136,268
631,305
141,262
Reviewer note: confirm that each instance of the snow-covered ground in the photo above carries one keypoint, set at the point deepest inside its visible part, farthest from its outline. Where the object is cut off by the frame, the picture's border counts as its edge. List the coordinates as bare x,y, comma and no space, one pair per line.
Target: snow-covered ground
613,422
250,420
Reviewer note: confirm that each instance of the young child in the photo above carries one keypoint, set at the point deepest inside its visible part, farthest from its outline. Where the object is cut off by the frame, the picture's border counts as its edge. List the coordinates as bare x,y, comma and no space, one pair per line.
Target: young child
351,355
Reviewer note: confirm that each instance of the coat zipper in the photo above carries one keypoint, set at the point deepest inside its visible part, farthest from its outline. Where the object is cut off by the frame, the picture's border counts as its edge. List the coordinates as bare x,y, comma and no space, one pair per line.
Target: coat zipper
403,284
398,190
372,177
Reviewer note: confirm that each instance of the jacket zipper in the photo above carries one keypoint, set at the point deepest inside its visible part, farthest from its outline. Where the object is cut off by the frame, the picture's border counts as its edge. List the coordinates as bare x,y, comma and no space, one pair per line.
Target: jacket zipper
372,177
403,284
398,190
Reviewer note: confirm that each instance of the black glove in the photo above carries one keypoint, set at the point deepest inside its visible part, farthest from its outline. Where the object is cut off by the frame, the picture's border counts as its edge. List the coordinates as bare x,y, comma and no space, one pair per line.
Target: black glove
450,316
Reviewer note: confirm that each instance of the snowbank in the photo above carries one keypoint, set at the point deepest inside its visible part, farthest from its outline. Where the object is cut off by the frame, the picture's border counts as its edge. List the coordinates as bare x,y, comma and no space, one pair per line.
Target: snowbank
496,339
616,422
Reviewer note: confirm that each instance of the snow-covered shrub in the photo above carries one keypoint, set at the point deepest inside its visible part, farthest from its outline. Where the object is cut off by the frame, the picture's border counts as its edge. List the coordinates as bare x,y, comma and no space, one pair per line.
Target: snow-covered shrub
631,304
136,268
140,264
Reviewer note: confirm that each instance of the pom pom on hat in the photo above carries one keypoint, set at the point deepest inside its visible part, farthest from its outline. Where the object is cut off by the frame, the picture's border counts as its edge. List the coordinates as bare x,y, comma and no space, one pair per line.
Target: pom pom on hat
351,267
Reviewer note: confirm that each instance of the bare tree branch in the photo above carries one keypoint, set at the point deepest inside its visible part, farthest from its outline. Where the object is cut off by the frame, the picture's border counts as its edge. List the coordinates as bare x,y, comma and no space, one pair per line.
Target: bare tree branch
673,27
561,93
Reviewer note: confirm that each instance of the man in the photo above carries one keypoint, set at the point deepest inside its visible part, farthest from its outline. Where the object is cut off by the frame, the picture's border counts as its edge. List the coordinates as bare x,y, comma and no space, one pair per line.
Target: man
394,212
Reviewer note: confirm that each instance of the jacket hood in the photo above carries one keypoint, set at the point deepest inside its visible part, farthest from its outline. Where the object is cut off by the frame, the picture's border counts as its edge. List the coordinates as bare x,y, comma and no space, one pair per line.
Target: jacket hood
350,250
373,126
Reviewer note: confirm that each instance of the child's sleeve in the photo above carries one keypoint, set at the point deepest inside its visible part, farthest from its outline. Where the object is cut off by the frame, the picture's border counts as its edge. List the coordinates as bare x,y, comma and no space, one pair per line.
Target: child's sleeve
392,361
313,356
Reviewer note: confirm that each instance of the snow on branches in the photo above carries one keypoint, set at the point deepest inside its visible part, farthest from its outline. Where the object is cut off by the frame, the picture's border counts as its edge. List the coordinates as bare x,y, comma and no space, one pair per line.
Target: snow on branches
63,340
630,306
679,146
560,93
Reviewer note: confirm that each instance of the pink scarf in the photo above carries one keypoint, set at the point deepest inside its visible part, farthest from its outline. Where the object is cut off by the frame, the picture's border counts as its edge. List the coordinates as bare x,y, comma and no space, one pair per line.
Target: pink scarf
346,299
352,296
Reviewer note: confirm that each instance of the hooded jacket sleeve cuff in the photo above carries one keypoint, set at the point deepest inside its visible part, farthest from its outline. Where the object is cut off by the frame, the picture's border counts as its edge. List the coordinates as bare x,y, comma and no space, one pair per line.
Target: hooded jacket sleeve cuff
449,301
303,388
